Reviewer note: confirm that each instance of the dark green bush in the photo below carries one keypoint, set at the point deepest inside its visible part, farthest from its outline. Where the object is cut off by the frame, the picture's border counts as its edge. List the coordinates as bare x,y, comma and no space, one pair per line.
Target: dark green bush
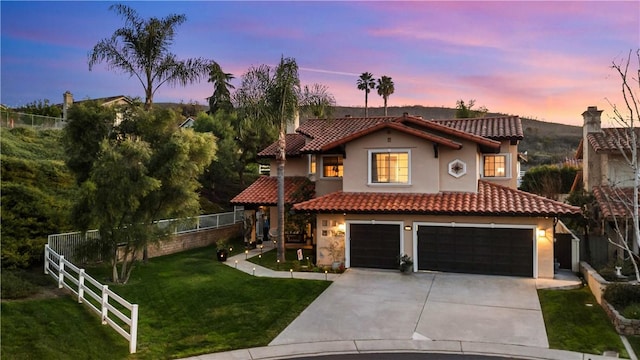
622,295
15,286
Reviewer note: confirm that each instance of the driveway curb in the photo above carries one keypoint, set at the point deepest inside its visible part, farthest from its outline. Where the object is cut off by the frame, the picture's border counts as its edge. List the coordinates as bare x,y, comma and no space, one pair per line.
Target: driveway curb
275,352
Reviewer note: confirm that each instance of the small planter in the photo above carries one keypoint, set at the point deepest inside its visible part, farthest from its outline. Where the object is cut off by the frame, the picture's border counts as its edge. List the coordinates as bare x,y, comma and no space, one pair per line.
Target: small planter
221,255
405,264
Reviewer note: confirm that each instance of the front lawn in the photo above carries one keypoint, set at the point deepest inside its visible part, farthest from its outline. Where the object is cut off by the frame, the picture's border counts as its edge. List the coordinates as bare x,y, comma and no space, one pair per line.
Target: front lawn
575,322
189,304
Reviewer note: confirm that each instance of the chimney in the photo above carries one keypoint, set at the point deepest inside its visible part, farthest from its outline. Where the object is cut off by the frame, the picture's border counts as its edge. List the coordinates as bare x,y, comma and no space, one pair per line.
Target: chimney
292,126
67,101
592,122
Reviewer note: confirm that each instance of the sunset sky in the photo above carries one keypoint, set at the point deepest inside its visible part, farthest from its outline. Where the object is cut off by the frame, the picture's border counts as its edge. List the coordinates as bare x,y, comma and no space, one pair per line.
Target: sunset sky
546,60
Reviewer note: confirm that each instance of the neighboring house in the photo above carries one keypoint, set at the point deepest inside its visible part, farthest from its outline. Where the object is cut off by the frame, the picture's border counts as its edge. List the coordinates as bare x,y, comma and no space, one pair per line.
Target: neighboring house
67,102
188,123
442,191
607,174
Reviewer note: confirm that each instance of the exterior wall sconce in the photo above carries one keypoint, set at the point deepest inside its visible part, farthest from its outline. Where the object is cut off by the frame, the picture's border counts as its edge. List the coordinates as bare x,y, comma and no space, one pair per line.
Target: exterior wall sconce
341,227
542,233
407,227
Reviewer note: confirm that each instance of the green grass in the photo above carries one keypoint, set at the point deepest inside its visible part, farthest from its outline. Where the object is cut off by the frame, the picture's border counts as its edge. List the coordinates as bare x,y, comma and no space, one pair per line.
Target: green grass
269,260
56,329
635,343
574,326
189,304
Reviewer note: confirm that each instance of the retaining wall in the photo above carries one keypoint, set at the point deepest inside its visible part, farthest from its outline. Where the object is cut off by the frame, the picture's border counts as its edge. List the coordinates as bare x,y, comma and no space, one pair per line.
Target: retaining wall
195,239
597,284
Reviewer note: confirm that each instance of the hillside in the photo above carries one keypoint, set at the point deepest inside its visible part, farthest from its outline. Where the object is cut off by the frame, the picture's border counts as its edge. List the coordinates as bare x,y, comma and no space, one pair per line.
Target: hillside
37,189
544,142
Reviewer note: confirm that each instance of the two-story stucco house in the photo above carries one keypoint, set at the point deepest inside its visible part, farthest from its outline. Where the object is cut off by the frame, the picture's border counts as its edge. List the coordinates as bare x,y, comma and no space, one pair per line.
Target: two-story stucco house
606,172
442,191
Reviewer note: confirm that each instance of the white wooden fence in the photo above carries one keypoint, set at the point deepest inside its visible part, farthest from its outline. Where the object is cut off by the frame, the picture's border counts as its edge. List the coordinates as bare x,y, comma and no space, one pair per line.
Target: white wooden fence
70,244
108,305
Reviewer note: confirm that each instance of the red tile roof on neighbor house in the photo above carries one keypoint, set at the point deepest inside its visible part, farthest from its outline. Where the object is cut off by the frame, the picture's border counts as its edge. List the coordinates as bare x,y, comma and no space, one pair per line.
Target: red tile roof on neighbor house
614,201
264,191
490,200
612,139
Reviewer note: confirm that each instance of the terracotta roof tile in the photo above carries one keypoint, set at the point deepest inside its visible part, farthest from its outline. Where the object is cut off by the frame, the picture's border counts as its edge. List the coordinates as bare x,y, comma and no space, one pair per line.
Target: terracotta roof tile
294,142
614,201
491,199
322,132
264,191
611,139
496,128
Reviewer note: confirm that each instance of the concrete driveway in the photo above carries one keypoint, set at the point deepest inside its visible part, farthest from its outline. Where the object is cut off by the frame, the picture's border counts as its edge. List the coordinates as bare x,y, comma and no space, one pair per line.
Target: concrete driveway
386,305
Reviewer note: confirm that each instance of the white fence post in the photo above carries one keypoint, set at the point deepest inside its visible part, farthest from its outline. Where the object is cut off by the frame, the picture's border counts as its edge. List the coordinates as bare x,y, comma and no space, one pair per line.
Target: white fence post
61,272
105,301
80,286
46,259
133,329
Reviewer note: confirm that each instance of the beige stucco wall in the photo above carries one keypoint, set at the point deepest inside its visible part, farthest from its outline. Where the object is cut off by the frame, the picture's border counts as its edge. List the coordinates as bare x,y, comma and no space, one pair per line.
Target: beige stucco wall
424,167
619,171
294,166
327,186
543,246
469,155
512,179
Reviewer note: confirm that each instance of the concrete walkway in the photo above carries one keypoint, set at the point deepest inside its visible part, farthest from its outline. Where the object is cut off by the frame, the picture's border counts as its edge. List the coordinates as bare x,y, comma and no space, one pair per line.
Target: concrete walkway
418,316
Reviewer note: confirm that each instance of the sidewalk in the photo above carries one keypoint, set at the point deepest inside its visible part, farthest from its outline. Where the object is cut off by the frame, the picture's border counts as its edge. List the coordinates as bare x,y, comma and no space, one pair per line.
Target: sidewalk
240,262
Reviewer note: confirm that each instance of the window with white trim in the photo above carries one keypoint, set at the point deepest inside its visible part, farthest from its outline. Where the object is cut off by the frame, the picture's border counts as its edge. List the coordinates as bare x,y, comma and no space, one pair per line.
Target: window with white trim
496,165
332,166
389,166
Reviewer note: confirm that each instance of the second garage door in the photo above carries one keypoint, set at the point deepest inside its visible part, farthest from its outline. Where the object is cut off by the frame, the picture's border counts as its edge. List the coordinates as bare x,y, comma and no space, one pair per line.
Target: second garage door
476,250
374,246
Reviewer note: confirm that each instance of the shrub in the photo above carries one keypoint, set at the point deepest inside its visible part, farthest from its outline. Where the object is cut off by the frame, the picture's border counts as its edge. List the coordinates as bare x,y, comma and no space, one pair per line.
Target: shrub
15,286
622,295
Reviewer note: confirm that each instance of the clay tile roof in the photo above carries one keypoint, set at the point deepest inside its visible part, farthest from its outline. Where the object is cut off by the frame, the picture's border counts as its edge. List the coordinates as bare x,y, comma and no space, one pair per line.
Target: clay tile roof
611,139
264,191
323,132
490,200
496,128
294,142
614,201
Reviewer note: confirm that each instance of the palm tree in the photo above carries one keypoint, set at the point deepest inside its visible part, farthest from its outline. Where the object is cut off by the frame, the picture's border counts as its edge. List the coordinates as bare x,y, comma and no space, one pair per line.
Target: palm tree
221,97
366,83
283,98
385,89
141,49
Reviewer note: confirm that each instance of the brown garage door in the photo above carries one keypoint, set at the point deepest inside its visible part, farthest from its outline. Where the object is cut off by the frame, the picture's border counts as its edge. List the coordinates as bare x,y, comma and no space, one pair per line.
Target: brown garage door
374,246
497,251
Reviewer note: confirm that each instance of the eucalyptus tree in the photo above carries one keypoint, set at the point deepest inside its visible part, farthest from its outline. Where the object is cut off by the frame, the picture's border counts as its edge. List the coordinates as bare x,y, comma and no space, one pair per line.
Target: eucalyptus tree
141,49
221,97
366,83
142,171
385,89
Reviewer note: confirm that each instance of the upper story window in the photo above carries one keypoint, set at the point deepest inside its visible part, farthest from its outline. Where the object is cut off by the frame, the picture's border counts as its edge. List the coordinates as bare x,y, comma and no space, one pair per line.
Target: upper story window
389,167
496,165
332,166
312,164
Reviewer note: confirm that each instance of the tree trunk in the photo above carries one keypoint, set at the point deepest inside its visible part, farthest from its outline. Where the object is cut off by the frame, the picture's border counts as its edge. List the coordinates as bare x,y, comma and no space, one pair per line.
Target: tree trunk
281,161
